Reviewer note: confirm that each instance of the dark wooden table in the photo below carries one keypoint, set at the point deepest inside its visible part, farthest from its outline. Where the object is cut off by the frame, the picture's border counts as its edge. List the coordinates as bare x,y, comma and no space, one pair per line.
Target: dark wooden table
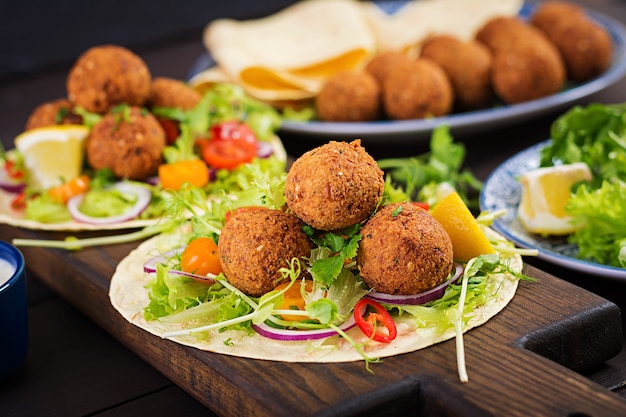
75,368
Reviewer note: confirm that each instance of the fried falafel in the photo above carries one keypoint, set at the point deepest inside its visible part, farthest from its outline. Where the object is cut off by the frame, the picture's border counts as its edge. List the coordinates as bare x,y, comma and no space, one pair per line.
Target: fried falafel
416,90
108,75
586,47
129,141
169,92
383,62
334,186
51,113
349,96
254,245
526,64
404,250
468,66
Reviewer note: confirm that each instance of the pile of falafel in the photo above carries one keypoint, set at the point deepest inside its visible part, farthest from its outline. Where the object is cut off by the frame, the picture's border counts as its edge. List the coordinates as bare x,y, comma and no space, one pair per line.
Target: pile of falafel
116,84
510,60
404,250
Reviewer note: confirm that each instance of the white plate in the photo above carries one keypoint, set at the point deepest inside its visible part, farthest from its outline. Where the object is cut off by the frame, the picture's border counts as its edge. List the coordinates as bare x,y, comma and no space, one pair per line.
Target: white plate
503,191
461,123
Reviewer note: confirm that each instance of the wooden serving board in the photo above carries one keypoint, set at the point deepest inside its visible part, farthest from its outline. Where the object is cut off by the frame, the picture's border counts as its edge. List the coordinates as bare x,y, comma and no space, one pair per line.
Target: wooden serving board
523,362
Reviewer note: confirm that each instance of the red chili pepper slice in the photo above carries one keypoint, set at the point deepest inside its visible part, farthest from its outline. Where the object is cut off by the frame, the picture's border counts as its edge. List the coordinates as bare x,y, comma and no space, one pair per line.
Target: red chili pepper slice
374,321
421,204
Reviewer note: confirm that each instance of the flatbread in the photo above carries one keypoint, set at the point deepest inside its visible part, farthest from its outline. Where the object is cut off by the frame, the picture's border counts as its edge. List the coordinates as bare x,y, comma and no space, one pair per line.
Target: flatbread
129,297
408,27
288,55
13,217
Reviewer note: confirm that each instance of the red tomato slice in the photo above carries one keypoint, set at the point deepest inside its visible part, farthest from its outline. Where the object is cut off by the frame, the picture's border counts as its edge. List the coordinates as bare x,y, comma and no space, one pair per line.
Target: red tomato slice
232,143
227,154
377,324
170,127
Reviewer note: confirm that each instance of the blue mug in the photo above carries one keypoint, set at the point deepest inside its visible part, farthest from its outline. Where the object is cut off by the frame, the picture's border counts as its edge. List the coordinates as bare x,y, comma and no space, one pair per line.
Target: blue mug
13,310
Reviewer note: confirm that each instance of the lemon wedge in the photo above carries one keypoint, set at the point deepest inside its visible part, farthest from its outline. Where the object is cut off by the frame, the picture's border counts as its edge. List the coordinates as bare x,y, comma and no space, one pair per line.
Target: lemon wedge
52,154
545,192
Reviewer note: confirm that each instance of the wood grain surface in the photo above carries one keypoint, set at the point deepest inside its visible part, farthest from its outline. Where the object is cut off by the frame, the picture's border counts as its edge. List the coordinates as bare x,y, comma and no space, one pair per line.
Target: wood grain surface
533,349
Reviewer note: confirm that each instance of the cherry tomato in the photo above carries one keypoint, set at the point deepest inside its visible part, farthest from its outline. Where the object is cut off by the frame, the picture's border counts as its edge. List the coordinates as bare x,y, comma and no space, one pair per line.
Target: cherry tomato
374,321
171,129
76,186
201,257
174,175
293,299
232,213
231,144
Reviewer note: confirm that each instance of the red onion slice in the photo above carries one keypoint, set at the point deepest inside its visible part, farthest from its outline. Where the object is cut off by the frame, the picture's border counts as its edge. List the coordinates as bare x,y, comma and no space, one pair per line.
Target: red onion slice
150,265
264,149
9,184
143,200
421,298
299,335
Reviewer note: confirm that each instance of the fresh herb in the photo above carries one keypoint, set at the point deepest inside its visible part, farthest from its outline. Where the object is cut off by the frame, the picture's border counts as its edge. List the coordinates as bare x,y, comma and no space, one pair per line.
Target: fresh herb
420,176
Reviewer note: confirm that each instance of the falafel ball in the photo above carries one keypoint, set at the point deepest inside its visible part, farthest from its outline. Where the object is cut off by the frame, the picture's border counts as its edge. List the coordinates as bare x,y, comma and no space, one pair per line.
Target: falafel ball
416,90
349,96
404,250
108,75
585,46
468,66
526,73
334,186
129,141
526,64
254,245
169,92
51,113
385,61
548,14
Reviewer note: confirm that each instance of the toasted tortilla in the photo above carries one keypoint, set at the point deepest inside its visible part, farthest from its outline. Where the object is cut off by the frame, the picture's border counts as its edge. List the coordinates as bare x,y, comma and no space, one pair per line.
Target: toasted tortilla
129,297
288,55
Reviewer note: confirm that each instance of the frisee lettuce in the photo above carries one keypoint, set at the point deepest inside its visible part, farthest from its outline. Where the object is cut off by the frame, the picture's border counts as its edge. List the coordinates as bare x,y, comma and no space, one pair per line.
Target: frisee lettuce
600,217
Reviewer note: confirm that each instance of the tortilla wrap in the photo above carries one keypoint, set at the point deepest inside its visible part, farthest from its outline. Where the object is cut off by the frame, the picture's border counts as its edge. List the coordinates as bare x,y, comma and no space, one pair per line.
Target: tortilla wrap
288,55
12,217
129,296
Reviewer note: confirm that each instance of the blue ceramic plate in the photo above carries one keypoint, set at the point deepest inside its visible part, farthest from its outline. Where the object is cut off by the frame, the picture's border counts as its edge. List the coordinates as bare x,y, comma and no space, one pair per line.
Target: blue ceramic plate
503,191
461,123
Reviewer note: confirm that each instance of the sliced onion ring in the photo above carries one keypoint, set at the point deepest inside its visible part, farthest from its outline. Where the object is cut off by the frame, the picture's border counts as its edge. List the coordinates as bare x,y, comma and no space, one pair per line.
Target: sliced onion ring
299,335
150,265
9,184
264,149
421,298
143,200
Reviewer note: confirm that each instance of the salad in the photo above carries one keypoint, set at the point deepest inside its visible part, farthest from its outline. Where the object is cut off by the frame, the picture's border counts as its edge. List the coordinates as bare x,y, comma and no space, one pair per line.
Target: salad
209,145
174,285
594,135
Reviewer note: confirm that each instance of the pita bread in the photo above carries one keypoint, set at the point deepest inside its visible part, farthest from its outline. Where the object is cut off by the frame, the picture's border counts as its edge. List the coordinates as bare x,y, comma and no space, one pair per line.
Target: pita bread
129,296
417,20
288,55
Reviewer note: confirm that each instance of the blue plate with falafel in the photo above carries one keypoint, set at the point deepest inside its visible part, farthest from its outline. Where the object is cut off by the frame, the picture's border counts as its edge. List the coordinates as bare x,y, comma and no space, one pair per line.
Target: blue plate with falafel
608,33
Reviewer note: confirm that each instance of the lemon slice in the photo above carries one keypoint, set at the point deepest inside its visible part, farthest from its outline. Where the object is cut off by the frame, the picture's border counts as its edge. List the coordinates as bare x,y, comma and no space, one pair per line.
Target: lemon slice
545,192
52,154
